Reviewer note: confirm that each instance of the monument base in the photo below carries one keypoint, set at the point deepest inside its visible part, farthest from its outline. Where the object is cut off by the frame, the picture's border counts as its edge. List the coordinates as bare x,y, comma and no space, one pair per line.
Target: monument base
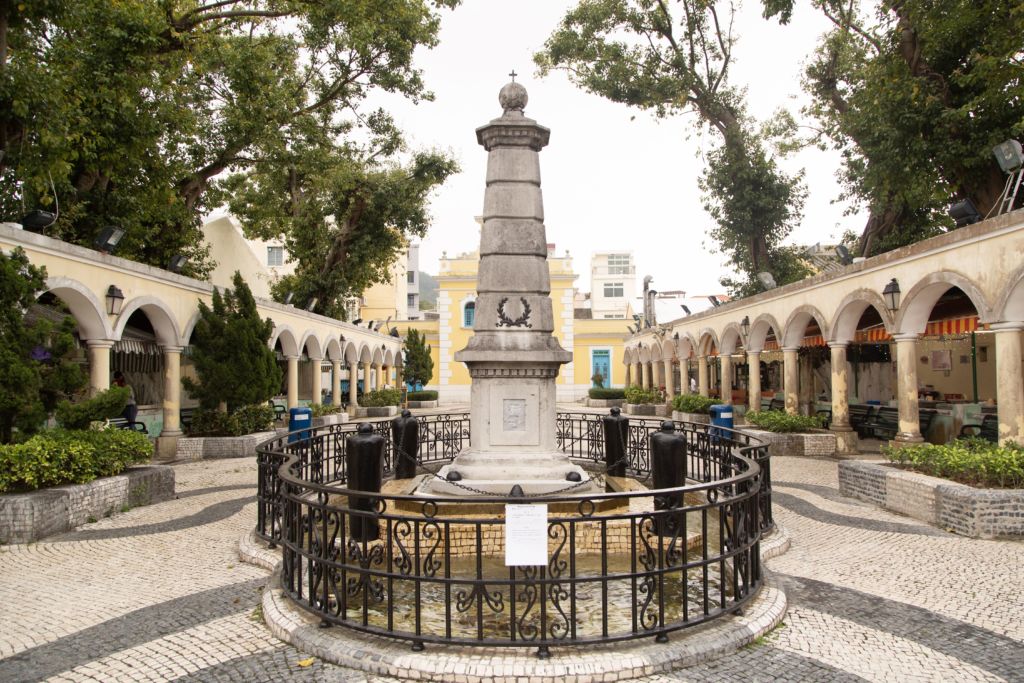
495,473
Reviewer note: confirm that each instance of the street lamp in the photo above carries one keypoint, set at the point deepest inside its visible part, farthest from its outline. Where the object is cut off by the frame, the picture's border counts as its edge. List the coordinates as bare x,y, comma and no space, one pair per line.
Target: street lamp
115,297
745,325
891,293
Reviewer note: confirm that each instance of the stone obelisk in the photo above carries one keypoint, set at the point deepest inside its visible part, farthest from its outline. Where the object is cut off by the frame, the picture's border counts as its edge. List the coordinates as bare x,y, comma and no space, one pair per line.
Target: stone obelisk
513,359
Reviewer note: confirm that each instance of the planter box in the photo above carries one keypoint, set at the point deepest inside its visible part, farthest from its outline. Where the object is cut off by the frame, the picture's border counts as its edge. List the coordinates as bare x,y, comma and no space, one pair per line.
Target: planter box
604,402
962,509
378,411
639,408
328,420
423,404
817,443
215,447
699,418
27,517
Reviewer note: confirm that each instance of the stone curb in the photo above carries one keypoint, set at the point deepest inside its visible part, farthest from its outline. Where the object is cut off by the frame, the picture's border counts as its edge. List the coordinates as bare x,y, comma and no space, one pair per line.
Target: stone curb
616,661
254,551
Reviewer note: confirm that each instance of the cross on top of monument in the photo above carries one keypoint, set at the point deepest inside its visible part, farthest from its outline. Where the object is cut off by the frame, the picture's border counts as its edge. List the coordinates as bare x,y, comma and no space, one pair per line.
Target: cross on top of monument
513,75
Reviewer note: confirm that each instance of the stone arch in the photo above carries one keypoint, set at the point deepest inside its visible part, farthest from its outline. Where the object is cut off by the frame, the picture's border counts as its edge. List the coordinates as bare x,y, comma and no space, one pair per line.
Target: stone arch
351,353
285,335
850,310
333,347
644,354
686,346
389,358
796,325
190,327
365,355
160,317
708,341
1011,301
311,345
759,329
627,355
732,339
378,357
87,310
656,352
912,318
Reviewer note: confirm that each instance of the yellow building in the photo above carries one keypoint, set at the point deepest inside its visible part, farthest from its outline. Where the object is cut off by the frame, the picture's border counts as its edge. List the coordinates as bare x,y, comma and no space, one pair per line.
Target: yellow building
597,345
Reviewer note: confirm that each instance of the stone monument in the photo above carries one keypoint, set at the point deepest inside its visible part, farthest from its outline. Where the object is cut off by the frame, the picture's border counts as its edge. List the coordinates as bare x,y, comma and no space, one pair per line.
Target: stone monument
513,359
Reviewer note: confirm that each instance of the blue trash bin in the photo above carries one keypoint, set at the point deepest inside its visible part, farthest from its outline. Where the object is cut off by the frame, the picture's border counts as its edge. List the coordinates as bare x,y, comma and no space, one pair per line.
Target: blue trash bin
298,419
721,417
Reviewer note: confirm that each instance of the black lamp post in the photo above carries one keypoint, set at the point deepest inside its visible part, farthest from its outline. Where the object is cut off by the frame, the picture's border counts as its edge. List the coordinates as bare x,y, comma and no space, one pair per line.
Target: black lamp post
115,297
745,325
891,293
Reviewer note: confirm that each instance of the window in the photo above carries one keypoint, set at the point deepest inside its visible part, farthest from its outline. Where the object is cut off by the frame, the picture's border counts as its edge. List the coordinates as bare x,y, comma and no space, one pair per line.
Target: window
275,256
411,277
613,290
618,264
410,300
469,314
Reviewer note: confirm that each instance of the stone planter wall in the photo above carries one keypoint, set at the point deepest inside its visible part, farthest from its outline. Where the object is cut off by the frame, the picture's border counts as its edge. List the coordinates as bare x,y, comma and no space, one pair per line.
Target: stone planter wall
214,447
978,513
699,418
423,404
328,420
27,517
639,408
604,402
377,411
817,443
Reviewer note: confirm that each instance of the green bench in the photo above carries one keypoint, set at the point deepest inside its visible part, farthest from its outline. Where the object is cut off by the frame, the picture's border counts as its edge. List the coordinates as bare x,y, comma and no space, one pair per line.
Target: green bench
122,423
988,429
886,423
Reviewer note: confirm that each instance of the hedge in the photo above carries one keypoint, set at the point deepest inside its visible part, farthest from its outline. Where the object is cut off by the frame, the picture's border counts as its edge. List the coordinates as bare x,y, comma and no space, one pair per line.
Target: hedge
321,409
600,393
422,396
693,403
640,395
974,462
381,397
782,422
103,406
258,417
57,456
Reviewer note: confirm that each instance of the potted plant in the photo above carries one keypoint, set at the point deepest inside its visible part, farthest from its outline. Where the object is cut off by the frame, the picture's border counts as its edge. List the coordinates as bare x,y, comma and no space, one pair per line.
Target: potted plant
791,434
692,408
640,401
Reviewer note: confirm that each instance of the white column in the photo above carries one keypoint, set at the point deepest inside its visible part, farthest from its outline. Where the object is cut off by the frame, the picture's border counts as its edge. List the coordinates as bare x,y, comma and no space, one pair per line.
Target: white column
642,375
629,372
702,375
670,389
172,391
353,378
725,390
846,440
754,380
906,392
791,379
336,382
366,377
293,381
316,370
1009,381
99,364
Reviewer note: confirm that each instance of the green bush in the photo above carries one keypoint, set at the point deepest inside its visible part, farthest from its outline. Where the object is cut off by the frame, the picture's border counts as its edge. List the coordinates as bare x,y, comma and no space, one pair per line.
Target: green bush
422,396
693,403
381,397
214,423
975,462
258,417
102,406
321,409
781,422
59,456
641,395
606,394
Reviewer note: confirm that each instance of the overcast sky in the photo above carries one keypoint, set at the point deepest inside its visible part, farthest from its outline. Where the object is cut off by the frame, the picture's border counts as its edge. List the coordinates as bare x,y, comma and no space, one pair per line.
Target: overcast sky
612,177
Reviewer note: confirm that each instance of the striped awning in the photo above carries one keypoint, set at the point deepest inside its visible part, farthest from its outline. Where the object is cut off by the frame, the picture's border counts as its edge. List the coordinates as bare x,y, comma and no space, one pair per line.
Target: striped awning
935,328
140,346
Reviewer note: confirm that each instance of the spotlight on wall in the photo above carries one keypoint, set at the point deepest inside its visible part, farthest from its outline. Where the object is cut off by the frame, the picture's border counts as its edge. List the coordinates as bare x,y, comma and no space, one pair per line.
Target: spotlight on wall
108,239
288,298
370,324
177,263
115,297
686,309
891,294
714,301
964,213
312,303
38,220
845,258
357,321
1010,155
767,279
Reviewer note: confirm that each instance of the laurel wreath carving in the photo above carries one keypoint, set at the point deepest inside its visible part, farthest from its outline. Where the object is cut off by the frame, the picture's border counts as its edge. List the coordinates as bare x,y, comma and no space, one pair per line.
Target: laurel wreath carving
521,321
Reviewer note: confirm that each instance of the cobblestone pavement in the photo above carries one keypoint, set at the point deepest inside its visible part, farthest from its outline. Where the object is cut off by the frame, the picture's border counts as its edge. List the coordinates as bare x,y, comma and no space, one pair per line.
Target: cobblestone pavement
157,594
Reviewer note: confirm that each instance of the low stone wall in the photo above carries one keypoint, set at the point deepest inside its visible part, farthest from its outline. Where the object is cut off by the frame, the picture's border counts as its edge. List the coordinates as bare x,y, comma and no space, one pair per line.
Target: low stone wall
328,420
978,513
819,443
376,411
604,402
423,404
699,418
27,517
215,447
639,408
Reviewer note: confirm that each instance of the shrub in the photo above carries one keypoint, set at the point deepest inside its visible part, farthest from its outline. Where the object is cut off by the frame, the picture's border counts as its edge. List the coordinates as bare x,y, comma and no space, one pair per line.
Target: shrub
641,395
258,417
321,409
975,462
693,403
214,423
781,422
59,456
422,396
602,393
102,406
419,366
381,397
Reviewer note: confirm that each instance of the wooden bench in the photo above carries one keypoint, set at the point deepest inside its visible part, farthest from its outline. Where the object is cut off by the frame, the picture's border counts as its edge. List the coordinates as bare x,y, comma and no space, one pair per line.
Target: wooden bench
886,423
122,423
988,429
777,404
279,410
185,417
859,415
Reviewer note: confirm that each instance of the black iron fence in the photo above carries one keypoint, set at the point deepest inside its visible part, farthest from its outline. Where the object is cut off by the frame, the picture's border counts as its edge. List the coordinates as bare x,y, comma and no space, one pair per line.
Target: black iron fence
619,565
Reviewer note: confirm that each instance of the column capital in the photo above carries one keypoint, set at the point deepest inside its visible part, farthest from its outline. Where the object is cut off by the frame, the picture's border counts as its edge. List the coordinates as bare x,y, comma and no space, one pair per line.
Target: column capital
319,358
905,337
290,358
793,349
1011,326
838,344
754,352
336,362
99,343
170,348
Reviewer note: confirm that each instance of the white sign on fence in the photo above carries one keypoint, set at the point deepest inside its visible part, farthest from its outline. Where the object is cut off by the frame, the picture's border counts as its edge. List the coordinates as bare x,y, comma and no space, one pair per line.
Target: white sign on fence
526,535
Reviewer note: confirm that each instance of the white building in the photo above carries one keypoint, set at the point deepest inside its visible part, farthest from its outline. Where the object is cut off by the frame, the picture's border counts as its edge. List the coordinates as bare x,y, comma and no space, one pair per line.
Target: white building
612,284
412,276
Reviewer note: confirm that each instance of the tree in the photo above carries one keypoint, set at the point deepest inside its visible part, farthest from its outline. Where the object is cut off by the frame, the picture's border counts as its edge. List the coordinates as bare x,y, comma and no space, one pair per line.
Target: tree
36,367
419,366
915,94
132,112
230,353
672,61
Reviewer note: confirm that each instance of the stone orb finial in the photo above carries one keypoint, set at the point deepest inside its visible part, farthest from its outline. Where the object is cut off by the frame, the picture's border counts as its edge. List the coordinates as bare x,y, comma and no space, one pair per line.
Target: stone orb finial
513,97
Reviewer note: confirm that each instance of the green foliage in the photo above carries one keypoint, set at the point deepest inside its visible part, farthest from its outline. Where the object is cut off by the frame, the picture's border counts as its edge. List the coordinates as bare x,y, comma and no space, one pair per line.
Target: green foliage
230,353
36,370
321,409
381,397
914,95
419,366
427,395
103,406
248,419
135,110
258,417
57,457
975,462
598,380
599,393
782,422
641,395
693,403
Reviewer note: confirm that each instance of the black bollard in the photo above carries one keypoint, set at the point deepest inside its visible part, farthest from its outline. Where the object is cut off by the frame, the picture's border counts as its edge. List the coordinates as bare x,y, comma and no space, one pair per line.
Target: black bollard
668,470
364,457
616,440
405,444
